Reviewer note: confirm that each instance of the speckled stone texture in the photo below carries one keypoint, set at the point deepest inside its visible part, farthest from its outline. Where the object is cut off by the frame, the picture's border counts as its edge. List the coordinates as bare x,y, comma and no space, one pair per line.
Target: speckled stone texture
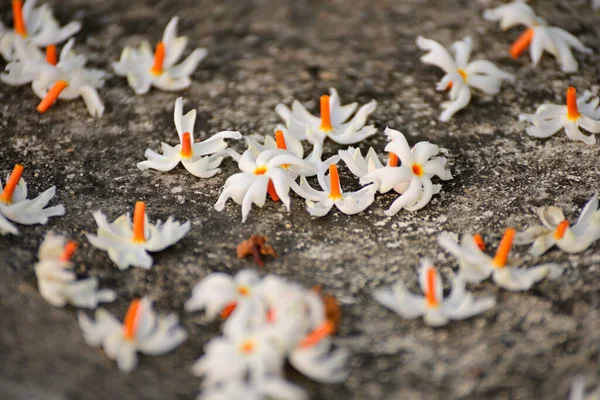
261,53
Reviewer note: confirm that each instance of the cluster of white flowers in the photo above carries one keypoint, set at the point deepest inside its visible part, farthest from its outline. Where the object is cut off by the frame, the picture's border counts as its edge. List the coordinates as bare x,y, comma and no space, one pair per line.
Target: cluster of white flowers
539,36
268,320
57,282
16,207
142,331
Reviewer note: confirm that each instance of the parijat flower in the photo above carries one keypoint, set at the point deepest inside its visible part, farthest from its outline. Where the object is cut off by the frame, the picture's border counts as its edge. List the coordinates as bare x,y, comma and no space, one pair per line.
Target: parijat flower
15,206
461,75
556,230
433,307
336,121
577,113
53,77
220,294
476,266
320,202
200,159
129,244
57,282
539,36
6,227
144,69
142,331
268,388
413,177
266,173
35,25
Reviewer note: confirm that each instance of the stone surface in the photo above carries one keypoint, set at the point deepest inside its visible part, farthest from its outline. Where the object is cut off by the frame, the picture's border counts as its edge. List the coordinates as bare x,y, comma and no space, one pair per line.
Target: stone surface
267,51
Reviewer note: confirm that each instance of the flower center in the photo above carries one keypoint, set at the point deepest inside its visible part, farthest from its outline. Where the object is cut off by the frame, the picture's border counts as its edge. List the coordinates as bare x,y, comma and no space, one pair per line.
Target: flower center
321,332
572,109
392,160
479,242
243,290
463,73
247,346
260,170
11,184
417,169
68,251
131,319
19,21
186,146
504,248
561,230
228,310
51,96
51,56
334,183
159,59
139,215
325,114
521,43
430,297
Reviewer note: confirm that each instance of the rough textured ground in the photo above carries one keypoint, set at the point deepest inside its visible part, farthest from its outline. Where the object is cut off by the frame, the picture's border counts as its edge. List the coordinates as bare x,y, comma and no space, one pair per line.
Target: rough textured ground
260,53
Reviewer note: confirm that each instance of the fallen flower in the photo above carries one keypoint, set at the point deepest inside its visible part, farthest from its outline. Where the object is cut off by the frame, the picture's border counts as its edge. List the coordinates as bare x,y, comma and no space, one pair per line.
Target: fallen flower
16,207
319,203
58,284
266,173
413,177
476,266
539,36
200,159
556,230
53,77
435,309
34,25
219,293
578,113
142,331
257,247
333,312
129,244
335,121
461,75
144,69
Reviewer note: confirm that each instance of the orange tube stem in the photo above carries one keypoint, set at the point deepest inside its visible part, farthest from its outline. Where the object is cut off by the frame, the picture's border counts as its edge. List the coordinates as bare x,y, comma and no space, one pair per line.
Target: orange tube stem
280,140
51,56
479,241
521,43
392,160
572,109
19,21
504,248
561,229
186,145
159,59
138,222
68,251
325,114
272,192
11,184
430,292
321,332
51,96
131,319
334,182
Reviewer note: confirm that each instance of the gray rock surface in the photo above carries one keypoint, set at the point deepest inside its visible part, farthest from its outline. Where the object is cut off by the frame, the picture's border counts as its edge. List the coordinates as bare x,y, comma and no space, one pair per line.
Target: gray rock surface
261,53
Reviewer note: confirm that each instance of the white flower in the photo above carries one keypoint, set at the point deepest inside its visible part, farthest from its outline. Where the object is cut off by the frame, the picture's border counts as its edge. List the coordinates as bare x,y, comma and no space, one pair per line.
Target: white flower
142,331
15,206
129,244
538,35
556,230
332,194
144,69
578,113
461,75
35,25
335,121
265,173
413,177
55,78
6,227
319,363
436,310
286,141
578,391
240,354
219,293
57,282
266,388
477,266
200,159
